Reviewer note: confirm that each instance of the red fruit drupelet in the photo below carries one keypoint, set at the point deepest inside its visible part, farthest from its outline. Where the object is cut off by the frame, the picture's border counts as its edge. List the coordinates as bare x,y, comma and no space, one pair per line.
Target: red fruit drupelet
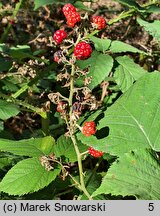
89,128
95,153
99,22
59,36
82,51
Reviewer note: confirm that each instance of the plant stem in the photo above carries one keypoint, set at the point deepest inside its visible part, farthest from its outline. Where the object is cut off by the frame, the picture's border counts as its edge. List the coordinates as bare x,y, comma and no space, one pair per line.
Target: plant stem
7,30
94,171
64,192
84,153
71,127
63,168
45,125
79,157
121,16
71,90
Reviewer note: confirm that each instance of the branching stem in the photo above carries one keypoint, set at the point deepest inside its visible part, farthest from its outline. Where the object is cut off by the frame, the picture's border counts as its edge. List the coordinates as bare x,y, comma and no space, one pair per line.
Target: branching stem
72,127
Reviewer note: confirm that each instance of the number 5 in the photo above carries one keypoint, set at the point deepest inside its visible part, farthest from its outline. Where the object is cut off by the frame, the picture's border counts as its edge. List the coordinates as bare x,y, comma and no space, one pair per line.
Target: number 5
151,206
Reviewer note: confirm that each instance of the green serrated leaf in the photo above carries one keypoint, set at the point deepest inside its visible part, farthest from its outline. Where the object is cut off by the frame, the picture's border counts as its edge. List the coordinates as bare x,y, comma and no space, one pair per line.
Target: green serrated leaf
92,181
101,44
28,147
64,147
7,110
20,52
131,4
9,86
41,3
5,64
27,176
132,122
135,174
119,46
99,66
127,72
57,186
152,28
81,6
153,9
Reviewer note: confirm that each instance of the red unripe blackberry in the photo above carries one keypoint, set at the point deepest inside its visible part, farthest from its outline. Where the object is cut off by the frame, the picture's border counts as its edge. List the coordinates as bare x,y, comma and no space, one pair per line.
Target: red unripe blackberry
57,56
89,128
99,22
73,18
61,106
82,51
59,36
67,8
95,153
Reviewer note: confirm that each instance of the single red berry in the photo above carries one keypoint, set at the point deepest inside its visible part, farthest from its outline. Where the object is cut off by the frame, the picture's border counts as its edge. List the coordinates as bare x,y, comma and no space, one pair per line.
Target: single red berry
59,36
57,56
89,128
67,8
82,51
72,18
99,22
95,153
61,107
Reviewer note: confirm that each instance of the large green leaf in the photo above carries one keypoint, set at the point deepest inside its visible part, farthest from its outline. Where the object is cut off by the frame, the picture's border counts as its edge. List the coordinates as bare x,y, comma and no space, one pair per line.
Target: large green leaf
132,122
152,28
27,176
99,65
136,173
114,46
65,148
127,72
28,147
119,46
101,44
7,110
